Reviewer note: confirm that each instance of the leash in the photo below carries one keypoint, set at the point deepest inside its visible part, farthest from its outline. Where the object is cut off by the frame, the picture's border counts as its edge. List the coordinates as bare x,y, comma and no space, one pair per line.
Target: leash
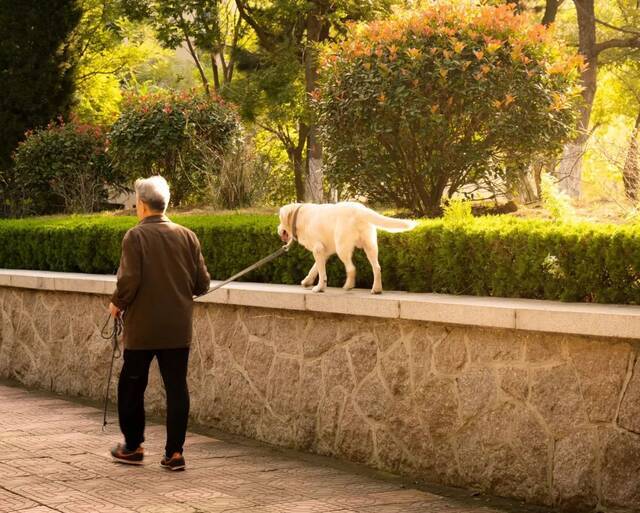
116,331
246,270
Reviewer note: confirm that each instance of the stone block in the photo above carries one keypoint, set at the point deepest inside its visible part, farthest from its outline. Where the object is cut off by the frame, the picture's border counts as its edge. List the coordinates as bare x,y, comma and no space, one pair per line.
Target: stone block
450,354
542,347
354,302
629,415
336,370
477,390
284,386
622,321
363,353
556,395
355,437
373,399
489,346
266,296
515,382
436,400
620,468
258,364
602,367
386,334
394,367
575,471
466,310
318,338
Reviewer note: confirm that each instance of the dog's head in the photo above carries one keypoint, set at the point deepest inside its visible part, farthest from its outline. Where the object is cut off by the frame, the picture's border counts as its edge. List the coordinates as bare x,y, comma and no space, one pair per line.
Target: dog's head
285,227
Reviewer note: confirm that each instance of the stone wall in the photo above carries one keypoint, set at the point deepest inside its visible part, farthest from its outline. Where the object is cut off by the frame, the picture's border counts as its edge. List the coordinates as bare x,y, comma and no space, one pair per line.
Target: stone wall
547,418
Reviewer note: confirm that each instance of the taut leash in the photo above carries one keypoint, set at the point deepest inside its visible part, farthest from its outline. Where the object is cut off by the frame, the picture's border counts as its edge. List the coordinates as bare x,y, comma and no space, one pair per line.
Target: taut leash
113,336
259,263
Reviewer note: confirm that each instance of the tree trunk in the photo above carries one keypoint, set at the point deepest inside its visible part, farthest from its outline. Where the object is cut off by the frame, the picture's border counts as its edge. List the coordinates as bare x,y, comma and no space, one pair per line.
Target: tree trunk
298,173
630,172
314,148
550,12
570,170
296,157
214,69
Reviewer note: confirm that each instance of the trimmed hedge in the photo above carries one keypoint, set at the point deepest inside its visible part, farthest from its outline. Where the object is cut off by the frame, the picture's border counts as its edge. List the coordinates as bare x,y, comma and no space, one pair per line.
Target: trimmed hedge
490,256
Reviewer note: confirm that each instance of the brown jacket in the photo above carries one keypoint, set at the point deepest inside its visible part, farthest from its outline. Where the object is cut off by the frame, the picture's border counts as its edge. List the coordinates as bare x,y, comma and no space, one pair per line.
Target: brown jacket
161,269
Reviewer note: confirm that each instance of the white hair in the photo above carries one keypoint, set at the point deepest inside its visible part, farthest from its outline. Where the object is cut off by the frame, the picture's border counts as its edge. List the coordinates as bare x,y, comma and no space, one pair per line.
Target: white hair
153,191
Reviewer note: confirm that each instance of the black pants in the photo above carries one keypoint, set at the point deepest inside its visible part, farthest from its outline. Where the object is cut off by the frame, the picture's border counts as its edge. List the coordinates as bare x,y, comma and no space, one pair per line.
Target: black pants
132,384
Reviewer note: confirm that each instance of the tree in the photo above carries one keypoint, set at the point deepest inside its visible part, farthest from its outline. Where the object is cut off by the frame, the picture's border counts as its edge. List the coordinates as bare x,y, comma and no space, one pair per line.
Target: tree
63,167
593,48
292,30
434,100
209,29
183,136
36,67
110,52
550,11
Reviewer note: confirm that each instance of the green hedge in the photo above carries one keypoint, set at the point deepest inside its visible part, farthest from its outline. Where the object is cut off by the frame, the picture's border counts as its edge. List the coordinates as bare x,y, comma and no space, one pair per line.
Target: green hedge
492,256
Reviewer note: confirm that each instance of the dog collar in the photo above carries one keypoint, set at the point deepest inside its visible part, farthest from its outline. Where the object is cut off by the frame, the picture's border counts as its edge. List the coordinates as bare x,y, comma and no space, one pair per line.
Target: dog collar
294,231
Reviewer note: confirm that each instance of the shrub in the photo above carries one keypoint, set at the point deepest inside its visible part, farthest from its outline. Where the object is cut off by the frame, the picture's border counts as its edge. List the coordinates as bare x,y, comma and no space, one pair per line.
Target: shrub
61,168
457,211
183,136
432,100
491,256
557,202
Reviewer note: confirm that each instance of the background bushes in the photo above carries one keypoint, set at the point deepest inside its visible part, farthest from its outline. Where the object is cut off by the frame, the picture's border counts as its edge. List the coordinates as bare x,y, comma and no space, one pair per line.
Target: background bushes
63,167
497,256
182,136
442,100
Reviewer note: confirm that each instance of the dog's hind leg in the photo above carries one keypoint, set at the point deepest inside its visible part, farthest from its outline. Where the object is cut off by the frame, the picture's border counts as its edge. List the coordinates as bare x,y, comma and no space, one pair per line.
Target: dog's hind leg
311,277
345,253
319,253
371,249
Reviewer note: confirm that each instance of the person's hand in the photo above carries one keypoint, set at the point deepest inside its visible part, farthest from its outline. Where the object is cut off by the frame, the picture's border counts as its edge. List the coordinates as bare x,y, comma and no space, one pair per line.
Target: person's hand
114,310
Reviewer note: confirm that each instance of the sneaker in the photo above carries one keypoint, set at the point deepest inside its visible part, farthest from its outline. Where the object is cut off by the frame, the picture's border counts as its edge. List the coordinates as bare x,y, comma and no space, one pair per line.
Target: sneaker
121,454
176,462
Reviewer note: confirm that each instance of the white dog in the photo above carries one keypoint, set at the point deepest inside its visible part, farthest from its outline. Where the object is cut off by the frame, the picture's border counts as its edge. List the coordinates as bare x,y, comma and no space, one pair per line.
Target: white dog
337,228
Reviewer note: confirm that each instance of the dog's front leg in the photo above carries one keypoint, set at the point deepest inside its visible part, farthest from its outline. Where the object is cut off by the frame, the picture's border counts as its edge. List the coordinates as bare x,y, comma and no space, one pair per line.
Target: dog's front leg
319,254
311,277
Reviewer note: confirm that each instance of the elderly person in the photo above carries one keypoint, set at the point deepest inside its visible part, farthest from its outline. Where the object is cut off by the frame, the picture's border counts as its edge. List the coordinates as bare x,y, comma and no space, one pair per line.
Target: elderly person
161,269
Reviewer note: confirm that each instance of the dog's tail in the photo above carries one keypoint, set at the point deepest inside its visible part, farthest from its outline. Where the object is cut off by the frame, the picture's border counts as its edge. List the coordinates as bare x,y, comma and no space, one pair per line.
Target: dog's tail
390,224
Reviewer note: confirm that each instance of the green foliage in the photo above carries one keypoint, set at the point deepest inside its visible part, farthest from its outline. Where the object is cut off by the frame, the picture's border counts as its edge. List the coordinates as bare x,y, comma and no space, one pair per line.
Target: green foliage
438,98
182,136
37,67
490,256
61,168
211,31
557,202
457,211
114,52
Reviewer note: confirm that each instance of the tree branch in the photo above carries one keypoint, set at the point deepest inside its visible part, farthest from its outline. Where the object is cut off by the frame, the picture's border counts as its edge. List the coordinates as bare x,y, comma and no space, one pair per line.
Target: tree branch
632,42
265,37
194,55
604,23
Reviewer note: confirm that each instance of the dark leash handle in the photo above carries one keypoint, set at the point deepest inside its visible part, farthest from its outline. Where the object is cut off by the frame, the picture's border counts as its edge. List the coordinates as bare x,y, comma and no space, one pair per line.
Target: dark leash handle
116,331
246,270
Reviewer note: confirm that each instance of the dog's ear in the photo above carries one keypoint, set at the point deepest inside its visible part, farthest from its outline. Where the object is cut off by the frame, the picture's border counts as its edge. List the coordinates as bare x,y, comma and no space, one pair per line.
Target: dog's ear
289,214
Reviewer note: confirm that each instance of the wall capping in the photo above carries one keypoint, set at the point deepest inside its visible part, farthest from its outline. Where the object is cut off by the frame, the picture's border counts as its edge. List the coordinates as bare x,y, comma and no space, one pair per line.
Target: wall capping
620,321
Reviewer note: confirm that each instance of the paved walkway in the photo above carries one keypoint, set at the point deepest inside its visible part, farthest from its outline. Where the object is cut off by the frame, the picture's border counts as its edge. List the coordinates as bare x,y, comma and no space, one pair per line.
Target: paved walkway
53,457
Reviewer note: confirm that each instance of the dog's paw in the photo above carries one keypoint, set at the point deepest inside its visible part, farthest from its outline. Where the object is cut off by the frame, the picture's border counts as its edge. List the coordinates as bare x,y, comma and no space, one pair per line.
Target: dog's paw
348,286
307,283
318,288
376,290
